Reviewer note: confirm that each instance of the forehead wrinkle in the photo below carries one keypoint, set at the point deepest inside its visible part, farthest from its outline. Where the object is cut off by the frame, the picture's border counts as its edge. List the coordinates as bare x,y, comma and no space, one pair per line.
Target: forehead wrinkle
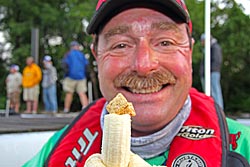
116,31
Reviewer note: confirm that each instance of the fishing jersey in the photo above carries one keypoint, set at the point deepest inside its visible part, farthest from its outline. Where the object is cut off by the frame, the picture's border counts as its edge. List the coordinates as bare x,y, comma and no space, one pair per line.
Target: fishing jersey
201,140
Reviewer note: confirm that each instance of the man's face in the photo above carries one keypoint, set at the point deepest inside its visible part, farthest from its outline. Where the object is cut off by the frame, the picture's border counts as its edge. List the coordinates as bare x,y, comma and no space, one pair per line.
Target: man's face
146,56
12,70
29,61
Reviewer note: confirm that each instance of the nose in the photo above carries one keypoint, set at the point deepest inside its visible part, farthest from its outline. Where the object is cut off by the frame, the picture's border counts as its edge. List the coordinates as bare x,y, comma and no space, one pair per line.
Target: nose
145,59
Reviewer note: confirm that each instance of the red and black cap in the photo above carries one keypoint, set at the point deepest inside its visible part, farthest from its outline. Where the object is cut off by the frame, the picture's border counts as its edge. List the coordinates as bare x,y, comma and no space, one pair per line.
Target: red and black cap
106,9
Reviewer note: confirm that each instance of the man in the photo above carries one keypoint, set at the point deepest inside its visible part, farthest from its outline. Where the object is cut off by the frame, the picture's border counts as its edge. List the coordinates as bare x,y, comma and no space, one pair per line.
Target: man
32,76
144,51
216,62
75,64
13,85
49,85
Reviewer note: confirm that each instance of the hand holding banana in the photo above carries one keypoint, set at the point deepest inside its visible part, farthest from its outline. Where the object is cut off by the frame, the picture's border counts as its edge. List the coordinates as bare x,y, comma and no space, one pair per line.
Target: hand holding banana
116,138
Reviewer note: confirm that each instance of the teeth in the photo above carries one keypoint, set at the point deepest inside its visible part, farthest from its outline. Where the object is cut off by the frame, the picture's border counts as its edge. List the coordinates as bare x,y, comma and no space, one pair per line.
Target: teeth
146,91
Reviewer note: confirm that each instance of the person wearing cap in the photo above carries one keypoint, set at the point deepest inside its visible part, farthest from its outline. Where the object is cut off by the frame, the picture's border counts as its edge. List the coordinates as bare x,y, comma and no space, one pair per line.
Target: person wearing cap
13,85
32,76
75,65
143,49
49,85
216,62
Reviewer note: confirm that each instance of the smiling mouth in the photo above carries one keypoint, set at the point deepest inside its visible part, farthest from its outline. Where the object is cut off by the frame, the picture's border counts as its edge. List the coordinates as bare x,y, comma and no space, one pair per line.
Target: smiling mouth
145,90
152,83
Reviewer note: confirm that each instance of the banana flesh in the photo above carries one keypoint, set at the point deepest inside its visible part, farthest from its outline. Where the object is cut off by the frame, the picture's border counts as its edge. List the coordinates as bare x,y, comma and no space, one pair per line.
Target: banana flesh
116,138
137,161
95,160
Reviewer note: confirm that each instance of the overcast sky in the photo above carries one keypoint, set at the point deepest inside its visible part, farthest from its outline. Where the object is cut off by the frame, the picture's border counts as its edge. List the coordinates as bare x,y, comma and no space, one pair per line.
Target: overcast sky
246,5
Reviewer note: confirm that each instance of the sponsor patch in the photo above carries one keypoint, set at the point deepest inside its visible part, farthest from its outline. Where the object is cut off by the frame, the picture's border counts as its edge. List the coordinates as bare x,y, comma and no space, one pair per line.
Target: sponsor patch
195,132
189,160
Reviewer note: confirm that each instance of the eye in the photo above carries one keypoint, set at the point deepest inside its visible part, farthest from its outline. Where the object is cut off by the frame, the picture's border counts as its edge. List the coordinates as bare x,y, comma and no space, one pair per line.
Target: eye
166,43
120,46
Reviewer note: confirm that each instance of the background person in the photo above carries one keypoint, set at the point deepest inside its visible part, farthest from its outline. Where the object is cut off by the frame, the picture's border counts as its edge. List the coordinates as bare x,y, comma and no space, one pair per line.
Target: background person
49,85
14,84
75,64
144,51
216,62
32,76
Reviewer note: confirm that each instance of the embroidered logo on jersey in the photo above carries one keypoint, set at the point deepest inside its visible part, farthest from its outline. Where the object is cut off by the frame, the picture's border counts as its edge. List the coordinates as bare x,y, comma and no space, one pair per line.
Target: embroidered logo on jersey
189,160
84,148
195,132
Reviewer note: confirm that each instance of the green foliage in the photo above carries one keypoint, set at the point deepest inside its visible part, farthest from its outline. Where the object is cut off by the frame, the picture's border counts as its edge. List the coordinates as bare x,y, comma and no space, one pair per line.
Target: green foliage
52,18
196,12
4,73
64,19
233,36
230,26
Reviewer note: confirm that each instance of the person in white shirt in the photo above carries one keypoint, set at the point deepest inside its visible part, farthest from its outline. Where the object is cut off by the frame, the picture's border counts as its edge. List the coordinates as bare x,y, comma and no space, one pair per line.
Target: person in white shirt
13,85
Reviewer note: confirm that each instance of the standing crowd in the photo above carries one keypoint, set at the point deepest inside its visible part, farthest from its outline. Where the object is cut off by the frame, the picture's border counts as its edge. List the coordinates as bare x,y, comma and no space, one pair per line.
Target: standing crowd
28,82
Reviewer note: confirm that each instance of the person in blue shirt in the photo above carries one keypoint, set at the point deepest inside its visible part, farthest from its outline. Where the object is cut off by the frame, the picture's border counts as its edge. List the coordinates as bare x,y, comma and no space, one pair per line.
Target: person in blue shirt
75,63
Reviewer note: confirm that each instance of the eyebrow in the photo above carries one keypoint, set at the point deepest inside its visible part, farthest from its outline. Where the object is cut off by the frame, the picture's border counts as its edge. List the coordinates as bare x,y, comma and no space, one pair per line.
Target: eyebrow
165,26
116,31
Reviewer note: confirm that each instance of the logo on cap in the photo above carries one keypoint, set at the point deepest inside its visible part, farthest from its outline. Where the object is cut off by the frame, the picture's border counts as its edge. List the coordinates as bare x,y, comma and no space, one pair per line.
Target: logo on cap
100,2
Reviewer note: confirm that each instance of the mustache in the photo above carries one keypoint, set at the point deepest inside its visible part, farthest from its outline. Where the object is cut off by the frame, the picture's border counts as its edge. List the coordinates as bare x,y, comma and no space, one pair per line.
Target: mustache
133,80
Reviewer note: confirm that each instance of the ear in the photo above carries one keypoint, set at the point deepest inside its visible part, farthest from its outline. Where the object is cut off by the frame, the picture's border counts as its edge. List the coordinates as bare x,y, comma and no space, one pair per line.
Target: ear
193,41
191,50
92,48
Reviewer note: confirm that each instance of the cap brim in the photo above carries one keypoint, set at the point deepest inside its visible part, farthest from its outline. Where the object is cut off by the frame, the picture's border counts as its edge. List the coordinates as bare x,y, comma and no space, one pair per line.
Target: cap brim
112,7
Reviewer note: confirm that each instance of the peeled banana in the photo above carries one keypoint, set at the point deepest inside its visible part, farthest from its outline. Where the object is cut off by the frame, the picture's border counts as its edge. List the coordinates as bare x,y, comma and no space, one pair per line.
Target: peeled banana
116,138
95,160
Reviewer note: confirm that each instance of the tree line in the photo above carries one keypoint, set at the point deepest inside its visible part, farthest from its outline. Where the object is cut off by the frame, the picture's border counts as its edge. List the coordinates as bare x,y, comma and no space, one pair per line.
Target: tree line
67,19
